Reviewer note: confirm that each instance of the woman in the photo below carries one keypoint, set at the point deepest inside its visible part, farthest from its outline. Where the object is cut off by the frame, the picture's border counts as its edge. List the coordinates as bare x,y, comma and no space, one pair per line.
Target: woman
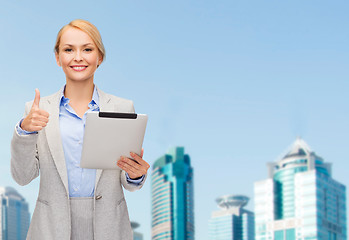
73,203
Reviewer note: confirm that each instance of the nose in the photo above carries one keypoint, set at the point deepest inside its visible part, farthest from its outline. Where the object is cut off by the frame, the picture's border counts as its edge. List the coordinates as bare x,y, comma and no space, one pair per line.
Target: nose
78,56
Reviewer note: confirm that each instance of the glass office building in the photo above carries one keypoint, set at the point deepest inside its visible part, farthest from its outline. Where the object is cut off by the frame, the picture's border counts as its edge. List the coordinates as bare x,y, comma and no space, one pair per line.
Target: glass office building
173,197
232,222
15,217
136,235
300,200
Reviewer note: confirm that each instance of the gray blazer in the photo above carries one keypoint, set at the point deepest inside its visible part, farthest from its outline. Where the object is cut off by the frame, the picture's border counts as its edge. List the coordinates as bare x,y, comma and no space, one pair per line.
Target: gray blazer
43,153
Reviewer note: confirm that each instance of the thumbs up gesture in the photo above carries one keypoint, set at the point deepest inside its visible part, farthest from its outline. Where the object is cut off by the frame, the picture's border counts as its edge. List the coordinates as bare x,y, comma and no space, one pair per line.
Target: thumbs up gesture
37,118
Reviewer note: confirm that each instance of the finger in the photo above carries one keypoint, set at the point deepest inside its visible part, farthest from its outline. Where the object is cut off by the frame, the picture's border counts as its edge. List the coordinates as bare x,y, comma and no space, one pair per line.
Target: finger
127,168
140,160
142,153
39,115
43,113
36,128
133,165
37,98
40,118
130,162
39,123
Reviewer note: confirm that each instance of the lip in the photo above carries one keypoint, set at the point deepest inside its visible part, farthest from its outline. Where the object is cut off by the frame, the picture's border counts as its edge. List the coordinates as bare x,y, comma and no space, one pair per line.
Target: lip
78,68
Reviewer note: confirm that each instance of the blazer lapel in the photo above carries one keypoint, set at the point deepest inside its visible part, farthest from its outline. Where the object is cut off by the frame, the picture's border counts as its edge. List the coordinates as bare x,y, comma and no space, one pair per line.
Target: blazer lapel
53,136
104,106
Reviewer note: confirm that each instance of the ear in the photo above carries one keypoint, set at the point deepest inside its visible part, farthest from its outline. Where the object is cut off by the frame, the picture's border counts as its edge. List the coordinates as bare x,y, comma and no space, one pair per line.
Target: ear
57,59
100,59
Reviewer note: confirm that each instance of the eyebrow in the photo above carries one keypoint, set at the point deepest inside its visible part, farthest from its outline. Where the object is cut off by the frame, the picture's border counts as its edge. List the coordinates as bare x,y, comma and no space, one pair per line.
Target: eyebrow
70,45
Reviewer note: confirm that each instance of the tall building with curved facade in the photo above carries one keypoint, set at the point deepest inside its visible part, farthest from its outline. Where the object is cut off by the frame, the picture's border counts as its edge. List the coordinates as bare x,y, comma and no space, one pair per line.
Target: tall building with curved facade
173,197
14,215
232,221
300,200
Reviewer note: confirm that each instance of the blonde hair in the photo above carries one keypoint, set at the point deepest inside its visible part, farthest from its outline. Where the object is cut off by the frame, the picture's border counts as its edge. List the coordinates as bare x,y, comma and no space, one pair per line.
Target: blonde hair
86,27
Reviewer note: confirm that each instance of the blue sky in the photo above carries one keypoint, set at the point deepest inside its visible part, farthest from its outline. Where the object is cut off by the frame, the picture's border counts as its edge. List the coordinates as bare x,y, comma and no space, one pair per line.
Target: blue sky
234,82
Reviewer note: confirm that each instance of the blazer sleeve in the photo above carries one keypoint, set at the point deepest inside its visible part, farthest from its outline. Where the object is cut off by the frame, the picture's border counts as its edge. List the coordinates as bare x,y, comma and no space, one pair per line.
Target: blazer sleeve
131,186
127,185
24,155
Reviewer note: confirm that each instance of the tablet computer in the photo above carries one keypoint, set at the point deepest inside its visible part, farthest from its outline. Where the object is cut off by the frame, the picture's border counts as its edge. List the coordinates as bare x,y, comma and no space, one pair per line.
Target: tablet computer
110,135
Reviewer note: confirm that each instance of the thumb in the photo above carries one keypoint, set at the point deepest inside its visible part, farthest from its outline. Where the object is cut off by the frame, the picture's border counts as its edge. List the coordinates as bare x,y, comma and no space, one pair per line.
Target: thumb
37,98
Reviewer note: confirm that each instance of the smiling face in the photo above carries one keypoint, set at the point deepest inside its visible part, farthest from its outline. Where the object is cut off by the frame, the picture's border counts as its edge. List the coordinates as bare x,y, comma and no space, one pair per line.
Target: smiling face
78,55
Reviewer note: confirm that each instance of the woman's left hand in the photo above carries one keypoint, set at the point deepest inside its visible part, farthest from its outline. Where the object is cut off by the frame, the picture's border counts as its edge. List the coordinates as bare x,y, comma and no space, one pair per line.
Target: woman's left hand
135,168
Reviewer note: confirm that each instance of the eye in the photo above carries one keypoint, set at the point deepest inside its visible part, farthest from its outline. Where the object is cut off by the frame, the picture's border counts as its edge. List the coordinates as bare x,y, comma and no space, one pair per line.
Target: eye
88,49
68,50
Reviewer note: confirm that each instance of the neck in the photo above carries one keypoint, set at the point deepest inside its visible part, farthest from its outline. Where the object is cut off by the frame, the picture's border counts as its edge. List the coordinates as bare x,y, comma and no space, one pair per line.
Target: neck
79,91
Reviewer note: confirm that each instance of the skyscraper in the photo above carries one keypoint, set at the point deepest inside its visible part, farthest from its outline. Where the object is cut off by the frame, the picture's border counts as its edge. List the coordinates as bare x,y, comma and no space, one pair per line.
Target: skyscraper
173,197
300,199
15,216
232,222
136,235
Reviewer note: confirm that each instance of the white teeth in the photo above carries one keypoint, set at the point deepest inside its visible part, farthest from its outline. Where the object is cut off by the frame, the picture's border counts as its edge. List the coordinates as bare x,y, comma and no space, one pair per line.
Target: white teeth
79,68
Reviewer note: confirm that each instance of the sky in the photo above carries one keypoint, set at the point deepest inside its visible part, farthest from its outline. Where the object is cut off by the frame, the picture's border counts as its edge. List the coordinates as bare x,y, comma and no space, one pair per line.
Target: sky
234,82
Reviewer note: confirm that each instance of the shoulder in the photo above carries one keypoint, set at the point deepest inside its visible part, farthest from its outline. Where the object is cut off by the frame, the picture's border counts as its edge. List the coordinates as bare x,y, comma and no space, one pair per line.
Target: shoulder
117,99
46,99
121,104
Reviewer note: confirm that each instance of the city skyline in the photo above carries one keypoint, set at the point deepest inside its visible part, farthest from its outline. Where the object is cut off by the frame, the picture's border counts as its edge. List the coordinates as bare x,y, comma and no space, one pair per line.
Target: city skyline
232,81
299,150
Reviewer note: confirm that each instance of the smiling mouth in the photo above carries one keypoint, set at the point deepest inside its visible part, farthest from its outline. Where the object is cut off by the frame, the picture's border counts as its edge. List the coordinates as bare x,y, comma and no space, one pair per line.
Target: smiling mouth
78,68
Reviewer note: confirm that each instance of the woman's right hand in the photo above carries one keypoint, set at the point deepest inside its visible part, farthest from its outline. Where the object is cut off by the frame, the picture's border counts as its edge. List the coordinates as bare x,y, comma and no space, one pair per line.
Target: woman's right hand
37,118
